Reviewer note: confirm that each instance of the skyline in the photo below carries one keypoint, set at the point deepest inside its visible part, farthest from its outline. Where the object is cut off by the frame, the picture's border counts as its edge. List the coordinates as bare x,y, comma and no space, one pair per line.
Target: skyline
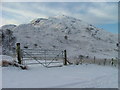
101,14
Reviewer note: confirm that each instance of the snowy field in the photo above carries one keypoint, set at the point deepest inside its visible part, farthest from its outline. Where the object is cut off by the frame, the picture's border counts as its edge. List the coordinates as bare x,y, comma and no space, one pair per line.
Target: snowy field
72,76
0,77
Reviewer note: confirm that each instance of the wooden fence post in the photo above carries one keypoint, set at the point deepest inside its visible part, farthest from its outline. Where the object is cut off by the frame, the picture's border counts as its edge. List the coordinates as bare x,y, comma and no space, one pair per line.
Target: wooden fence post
105,61
18,51
94,59
65,57
112,62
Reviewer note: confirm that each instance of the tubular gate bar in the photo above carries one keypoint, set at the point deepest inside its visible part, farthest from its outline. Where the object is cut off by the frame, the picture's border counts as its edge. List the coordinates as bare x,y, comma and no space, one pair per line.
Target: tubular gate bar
42,56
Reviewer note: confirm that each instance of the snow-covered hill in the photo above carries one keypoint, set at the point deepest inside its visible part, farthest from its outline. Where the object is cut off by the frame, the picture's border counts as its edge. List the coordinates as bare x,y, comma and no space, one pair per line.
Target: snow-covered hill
64,32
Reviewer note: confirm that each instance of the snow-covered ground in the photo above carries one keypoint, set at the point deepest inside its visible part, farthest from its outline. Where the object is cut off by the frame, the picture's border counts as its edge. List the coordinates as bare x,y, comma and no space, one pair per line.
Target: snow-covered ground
0,73
6,58
72,76
0,77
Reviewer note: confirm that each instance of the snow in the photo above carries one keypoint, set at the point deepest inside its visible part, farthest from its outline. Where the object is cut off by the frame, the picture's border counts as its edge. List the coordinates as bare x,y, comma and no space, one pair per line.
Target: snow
0,77
49,33
9,26
0,73
6,58
83,38
72,76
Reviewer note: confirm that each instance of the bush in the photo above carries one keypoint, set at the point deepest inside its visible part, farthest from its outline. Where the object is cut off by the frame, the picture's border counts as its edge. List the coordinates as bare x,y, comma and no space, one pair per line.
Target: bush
5,63
25,46
66,37
81,57
77,62
35,45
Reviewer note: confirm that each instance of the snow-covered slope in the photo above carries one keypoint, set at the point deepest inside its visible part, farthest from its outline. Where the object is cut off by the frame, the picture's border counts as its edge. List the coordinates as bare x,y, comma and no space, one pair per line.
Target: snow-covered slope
9,26
64,32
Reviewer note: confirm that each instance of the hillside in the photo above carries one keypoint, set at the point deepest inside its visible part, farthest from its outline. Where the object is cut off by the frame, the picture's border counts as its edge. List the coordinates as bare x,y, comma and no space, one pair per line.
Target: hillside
64,32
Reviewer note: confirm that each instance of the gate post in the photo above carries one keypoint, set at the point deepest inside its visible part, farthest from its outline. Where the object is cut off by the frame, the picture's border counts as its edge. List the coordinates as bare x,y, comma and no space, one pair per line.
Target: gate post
65,57
18,51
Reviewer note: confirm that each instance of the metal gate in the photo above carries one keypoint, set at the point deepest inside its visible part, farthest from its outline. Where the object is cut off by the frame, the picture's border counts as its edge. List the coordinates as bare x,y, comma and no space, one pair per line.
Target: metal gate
45,57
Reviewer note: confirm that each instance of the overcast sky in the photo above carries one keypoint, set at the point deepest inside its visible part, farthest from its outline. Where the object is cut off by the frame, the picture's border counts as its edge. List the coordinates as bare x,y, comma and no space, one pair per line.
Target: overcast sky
101,14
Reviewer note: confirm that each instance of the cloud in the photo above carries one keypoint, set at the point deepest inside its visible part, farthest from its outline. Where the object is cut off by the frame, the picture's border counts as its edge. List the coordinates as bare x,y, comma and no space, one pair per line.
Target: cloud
60,0
99,13
1,13
18,15
104,13
23,12
10,21
94,13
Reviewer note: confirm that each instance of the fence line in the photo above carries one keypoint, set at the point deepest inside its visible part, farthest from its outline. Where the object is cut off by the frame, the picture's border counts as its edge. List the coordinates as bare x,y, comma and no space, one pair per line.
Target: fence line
112,62
52,55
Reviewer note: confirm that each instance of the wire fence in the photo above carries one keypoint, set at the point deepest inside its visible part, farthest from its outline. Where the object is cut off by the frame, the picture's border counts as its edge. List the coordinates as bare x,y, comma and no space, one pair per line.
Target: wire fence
46,57
105,62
